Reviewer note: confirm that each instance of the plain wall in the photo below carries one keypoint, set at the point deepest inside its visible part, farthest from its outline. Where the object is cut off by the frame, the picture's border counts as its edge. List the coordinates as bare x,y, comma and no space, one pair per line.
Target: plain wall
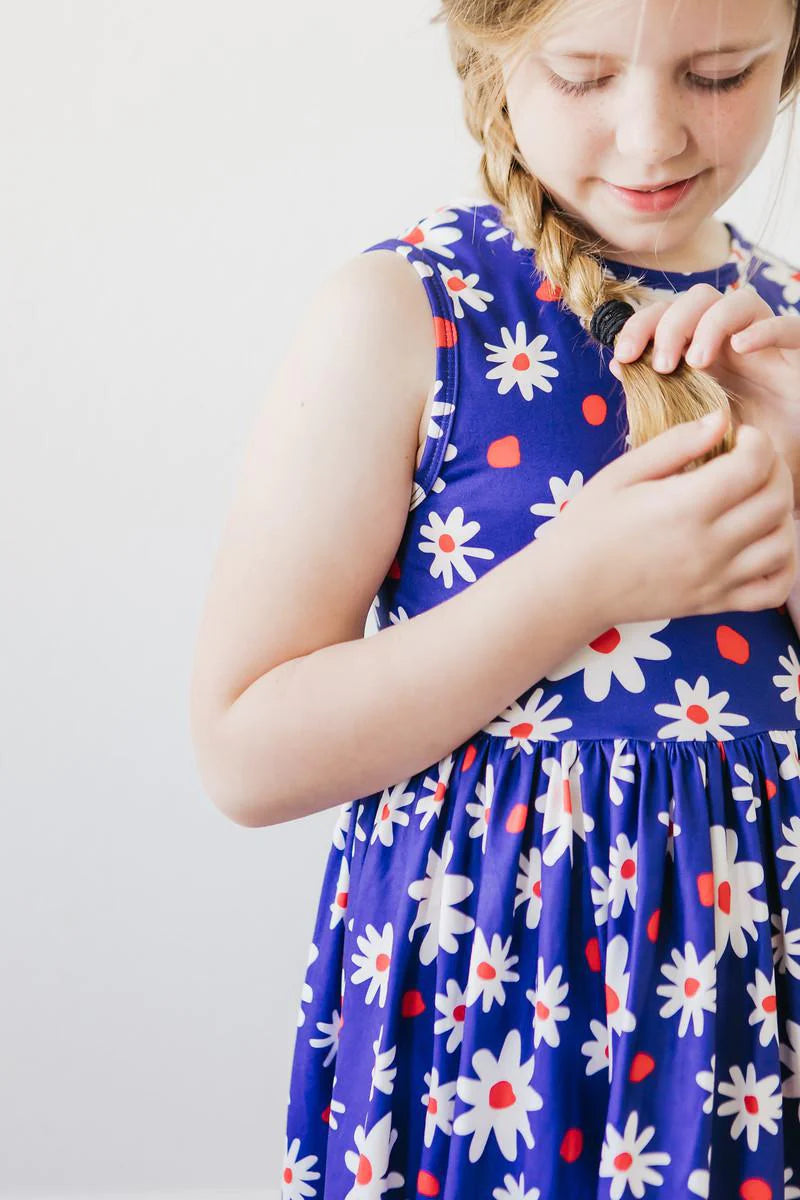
177,177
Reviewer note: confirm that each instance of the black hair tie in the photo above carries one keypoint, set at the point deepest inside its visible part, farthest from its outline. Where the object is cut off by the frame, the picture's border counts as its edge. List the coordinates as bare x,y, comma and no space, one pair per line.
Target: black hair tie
608,319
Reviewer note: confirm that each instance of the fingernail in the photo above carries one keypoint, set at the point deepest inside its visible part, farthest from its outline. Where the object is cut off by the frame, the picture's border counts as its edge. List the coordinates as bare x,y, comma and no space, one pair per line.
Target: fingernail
623,348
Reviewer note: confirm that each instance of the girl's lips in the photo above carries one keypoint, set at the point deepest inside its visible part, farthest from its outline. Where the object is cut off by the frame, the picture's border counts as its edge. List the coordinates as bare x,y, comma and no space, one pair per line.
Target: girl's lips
654,201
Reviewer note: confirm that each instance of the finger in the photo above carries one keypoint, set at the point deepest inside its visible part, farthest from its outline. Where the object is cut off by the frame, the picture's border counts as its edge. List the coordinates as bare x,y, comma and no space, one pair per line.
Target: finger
782,332
678,324
737,310
758,516
638,330
726,480
764,556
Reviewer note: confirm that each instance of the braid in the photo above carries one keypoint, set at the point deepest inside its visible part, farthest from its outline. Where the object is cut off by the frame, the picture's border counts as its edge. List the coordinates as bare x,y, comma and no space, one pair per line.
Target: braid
564,254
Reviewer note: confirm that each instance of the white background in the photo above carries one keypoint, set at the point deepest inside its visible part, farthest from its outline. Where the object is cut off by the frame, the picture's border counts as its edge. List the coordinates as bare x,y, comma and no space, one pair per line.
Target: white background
177,178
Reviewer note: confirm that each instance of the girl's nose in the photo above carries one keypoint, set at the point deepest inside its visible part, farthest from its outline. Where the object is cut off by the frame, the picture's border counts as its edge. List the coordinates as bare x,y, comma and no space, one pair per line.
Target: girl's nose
650,126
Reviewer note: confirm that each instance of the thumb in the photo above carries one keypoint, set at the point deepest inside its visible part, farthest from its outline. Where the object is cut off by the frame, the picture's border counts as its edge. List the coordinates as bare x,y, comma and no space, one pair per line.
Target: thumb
674,448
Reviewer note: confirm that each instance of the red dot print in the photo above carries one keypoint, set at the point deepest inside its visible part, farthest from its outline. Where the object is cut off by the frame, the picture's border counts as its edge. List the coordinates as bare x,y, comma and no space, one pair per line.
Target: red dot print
287,1175
504,452
433,1106
542,1011
521,362
606,642
696,713
612,999
438,795
572,1145
427,1184
414,236
501,1094
382,962
566,796
521,731
341,899
385,811
755,1189
445,332
537,888
412,1004
446,543
705,888
732,645
394,570
594,409
326,1114
623,1161
548,291
751,1103
364,1173
641,1067
652,925
769,1003
592,953
515,821
770,788
455,284
721,749
724,896
469,757
459,1012
628,869
485,970
691,985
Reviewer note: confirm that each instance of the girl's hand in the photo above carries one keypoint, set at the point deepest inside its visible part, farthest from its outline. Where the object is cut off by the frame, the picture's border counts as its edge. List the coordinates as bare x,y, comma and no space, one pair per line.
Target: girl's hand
736,338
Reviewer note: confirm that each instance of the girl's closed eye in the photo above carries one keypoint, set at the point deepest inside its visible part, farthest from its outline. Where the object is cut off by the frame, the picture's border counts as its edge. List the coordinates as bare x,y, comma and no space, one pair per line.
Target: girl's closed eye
699,82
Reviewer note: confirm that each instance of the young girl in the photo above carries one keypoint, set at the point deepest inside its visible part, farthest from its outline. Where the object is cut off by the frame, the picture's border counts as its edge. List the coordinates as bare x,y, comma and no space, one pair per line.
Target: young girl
557,950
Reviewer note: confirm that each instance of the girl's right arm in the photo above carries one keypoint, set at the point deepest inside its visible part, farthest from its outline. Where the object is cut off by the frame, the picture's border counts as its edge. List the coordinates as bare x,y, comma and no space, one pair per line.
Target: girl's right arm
293,710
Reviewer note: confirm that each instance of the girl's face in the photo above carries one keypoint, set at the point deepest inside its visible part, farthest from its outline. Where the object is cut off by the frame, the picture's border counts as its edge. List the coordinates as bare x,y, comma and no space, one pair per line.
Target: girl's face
649,114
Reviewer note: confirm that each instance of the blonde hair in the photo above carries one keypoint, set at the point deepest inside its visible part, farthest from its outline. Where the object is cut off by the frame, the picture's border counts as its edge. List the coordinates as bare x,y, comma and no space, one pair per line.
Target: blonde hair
480,33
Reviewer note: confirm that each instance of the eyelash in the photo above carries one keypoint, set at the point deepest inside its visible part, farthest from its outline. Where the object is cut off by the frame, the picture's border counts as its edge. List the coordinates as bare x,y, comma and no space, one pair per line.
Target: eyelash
708,85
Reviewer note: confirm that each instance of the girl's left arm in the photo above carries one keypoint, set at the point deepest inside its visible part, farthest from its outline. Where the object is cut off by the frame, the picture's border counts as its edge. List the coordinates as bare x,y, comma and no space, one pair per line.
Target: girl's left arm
793,599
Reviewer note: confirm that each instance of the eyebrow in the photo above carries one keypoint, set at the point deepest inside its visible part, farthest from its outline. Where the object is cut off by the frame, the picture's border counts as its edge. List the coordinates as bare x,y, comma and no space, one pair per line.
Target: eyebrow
697,53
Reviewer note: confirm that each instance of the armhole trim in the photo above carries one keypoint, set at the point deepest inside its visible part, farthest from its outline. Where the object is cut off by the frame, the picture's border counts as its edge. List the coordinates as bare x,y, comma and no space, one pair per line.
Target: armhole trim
446,339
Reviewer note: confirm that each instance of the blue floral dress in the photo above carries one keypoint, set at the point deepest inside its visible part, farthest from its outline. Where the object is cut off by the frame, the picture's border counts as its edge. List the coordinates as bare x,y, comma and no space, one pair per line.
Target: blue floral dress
564,961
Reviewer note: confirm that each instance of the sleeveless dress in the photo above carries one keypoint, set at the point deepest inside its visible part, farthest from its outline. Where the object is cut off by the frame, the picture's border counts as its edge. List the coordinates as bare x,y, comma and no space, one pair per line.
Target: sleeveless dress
564,961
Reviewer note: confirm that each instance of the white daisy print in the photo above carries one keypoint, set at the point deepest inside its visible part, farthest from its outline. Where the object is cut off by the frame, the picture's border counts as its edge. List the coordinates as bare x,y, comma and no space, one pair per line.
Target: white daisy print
521,725
430,803
489,970
562,493
786,945
338,905
596,1048
790,681
619,1018
369,1162
501,231
297,1173
448,545
335,1109
514,1189
529,887
342,825
546,999
452,1002
691,990
439,409
436,233
790,765
330,1036
667,817
755,1103
462,290
706,1080
624,1160
699,1181
614,654
765,1007
523,364
383,1072
698,715
562,803
438,894
501,1098
439,1101
388,812
789,850
621,883
481,808
790,1057
374,961
728,887
307,994
621,769
790,1191
745,793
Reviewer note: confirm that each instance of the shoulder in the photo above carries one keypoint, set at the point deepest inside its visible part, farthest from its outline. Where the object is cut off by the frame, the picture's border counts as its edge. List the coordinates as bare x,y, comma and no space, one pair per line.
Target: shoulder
770,272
